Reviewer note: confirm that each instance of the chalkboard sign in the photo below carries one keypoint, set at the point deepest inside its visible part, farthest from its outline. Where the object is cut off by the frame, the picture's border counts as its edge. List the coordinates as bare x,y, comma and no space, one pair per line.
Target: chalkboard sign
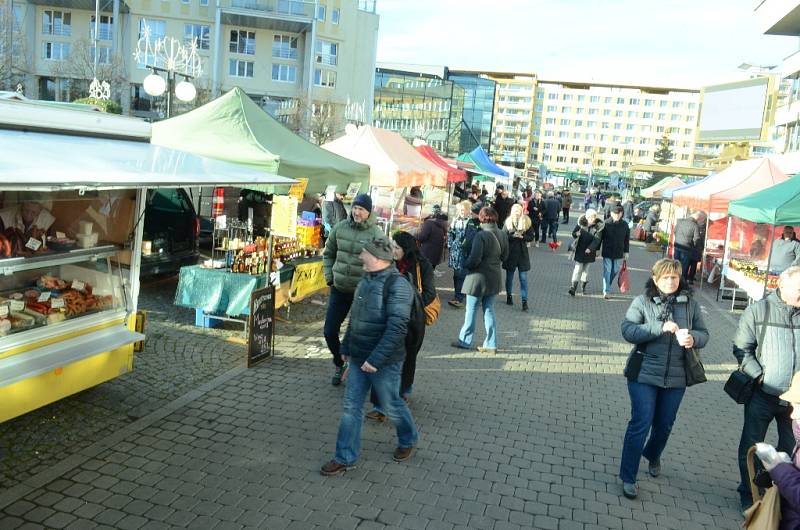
261,330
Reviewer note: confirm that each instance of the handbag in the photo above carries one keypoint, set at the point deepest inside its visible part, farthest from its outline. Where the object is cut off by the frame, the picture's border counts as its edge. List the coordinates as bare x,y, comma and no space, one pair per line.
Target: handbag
623,280
433,309
765,513
740,386
695,371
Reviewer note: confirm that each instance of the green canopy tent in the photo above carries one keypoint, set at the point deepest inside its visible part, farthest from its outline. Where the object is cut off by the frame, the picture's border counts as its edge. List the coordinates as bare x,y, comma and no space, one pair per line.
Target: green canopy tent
235,129
777,205
480,173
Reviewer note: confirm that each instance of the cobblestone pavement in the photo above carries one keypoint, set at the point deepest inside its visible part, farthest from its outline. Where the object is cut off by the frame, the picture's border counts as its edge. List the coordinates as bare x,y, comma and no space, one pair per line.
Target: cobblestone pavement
528,437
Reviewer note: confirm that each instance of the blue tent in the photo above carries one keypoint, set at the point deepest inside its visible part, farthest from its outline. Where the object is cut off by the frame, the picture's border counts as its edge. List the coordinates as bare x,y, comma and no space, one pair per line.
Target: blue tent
667,194
480,156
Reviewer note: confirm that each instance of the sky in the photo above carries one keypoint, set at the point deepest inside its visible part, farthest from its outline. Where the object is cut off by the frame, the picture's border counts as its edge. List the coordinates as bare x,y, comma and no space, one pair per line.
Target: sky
680,43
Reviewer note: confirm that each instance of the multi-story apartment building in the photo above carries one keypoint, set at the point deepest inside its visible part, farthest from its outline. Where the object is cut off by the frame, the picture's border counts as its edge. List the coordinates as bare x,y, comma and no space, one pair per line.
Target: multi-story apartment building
513,125
583,126
275,50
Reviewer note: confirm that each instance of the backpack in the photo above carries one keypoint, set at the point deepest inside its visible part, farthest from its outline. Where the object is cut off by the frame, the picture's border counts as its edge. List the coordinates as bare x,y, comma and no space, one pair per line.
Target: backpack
415,331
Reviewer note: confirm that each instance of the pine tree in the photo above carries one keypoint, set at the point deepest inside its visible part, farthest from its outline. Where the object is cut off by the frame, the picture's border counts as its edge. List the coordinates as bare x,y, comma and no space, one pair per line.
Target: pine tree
664,154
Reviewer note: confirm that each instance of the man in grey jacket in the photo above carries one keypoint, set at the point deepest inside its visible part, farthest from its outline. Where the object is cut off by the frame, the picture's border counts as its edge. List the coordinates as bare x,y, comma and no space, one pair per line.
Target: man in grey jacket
767,346
687,236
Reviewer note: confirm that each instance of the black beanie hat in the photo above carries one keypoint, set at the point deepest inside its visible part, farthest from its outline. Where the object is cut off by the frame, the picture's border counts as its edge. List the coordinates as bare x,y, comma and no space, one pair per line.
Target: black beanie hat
363,200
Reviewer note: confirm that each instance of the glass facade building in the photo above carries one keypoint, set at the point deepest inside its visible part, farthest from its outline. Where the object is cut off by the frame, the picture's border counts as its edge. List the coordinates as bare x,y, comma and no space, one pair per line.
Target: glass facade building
479,95
420,106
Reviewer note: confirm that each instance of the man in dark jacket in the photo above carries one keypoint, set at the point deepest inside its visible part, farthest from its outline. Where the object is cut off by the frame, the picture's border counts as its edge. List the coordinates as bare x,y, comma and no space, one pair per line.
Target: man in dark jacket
502,204
375,345
687,235
535,212
615,239
432,236
333,212
342,267
550,215
767,347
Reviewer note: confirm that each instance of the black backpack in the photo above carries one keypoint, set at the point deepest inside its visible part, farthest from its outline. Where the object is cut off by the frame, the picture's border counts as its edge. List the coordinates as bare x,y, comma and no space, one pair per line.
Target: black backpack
416,322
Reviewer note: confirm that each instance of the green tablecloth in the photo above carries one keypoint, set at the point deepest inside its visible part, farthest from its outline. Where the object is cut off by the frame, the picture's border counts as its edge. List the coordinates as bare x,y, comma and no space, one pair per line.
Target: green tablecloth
217,291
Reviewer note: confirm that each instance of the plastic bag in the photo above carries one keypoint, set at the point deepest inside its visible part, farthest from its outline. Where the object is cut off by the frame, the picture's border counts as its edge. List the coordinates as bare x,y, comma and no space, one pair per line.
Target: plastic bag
623,280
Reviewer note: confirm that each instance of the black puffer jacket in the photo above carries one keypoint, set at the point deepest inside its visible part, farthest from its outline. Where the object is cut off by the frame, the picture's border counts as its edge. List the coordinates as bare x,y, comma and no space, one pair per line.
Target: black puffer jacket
588,238
484,264
615,238
377,329
518,256
663,363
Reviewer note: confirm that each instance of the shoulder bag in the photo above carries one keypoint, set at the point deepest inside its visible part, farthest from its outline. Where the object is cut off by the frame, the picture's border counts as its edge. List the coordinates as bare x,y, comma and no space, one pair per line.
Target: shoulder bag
740,386
765,513
695,371
433,309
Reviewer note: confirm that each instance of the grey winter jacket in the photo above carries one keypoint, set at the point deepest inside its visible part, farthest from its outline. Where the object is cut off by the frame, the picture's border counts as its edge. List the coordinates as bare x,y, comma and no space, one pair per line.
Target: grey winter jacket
333,212
785,253
778,357
376,332
341,263
484,263
663,362
687,234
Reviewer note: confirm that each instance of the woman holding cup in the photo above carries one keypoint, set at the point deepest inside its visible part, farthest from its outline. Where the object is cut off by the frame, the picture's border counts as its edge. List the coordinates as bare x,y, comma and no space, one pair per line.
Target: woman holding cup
661,324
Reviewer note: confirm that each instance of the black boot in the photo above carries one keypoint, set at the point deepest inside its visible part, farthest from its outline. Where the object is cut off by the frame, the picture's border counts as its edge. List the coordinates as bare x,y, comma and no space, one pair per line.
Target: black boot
573,288
509,300
583,287
524,305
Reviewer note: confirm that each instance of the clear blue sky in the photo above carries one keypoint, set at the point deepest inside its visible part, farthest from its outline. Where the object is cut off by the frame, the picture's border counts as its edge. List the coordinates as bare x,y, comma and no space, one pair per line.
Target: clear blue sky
670,42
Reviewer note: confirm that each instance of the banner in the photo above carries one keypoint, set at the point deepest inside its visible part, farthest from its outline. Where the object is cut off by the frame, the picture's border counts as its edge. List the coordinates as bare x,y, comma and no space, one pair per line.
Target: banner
284,216
298,190
308,279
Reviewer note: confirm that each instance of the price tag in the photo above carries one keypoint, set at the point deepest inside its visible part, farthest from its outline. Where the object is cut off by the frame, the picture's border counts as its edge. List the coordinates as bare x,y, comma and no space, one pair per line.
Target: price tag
44,297
56,303
33,244
61,235
78,285
17,305
3,310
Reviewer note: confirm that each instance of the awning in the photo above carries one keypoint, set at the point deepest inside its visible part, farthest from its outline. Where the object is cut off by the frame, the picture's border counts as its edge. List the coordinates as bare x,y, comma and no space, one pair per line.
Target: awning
48,162
777,205
453,174
483,159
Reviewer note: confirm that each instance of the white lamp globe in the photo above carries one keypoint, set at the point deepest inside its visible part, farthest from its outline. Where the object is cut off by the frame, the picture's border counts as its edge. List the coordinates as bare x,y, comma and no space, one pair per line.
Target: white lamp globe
155,85
185,91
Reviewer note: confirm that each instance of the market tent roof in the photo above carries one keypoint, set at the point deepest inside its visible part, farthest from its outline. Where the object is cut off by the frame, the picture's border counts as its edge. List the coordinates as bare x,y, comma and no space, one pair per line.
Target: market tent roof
392,161
80,162
485,162
235,129
789,163
739,180
657,189
669,192
483,174
776,205
453,174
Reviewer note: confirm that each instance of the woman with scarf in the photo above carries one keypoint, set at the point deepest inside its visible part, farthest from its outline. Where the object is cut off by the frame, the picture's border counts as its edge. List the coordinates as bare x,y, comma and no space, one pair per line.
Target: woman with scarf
661,324
456,237
519,230
419,271
585,246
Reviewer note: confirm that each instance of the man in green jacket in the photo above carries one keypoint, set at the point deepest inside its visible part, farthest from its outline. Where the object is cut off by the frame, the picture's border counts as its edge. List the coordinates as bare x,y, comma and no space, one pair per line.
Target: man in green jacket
343,269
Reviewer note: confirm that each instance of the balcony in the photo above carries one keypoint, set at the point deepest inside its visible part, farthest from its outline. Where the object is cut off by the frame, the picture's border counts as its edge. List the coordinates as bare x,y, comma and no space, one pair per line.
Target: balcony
367,5
106,6
294,16
778,17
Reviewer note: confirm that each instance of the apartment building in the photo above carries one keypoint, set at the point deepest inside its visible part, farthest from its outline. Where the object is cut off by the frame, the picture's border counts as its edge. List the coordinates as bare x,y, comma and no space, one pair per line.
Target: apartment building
275,50
606,127
512,122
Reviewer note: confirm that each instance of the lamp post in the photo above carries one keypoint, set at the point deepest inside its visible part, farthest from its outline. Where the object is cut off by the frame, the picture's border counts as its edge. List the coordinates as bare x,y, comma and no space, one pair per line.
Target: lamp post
155,85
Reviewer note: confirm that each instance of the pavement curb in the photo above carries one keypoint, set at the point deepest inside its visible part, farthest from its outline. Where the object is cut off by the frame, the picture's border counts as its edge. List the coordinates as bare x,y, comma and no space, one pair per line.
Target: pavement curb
18,491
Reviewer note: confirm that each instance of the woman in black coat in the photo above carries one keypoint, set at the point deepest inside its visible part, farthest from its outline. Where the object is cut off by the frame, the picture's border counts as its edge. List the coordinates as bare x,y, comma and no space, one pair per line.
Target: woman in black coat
519,230
585,246
432,236
419,272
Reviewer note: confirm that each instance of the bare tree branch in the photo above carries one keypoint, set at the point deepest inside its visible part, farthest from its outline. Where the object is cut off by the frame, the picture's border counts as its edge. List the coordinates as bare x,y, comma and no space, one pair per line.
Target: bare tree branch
14,59
80,66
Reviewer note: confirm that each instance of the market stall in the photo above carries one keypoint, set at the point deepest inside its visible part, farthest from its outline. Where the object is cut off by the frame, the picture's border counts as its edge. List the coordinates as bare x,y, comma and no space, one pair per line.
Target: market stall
398,174
713,194
71,244
754,223
659,188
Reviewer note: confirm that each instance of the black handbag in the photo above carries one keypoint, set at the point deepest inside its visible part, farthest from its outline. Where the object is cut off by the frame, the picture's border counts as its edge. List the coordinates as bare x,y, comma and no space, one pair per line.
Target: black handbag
740,386
634,364
695,371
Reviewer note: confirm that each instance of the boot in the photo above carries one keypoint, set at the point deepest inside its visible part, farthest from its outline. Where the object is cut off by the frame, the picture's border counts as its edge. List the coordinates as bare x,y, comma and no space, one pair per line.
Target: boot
583,287
509,300
573,288
524,305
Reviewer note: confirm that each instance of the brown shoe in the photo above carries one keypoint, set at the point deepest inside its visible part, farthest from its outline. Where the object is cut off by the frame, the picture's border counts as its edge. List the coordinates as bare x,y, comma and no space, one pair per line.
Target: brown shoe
375,416
401,454
334,468
487,350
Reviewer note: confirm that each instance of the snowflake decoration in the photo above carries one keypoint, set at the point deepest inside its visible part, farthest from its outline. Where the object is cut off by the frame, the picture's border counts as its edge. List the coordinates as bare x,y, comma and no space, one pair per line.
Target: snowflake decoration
100,90
168,53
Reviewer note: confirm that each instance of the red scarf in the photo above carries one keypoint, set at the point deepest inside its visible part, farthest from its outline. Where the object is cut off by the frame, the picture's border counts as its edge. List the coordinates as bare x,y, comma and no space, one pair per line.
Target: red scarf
403,265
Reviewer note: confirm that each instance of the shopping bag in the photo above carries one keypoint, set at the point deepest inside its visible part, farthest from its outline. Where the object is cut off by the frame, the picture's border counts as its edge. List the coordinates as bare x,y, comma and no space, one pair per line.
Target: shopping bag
623,280
765,513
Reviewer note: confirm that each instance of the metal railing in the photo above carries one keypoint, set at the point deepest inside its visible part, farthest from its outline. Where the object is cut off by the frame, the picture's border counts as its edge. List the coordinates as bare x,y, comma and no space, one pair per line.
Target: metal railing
298,8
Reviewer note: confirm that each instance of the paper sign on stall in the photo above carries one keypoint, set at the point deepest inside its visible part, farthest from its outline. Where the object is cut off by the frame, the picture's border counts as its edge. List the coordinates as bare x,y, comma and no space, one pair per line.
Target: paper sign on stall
284,216
308,279
298,190
352,190
330,192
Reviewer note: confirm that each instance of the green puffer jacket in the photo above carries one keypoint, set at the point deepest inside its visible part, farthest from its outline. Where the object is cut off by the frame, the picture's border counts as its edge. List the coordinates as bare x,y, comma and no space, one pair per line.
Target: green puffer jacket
340,262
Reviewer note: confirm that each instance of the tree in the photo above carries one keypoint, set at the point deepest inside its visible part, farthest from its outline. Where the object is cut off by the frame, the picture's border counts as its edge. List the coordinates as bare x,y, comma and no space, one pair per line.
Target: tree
319,121
664,154
79,67
14,58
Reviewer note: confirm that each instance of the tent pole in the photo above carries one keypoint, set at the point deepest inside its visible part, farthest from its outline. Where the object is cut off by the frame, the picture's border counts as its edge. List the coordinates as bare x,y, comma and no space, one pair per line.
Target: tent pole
703,254
725,258
769,261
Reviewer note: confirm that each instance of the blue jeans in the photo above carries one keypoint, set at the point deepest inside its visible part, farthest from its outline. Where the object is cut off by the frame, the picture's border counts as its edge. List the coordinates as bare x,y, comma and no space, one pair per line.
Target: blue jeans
523,283
385,383
758,415
458,282
549,228
467,333
684,256
610,269
653,411
339,304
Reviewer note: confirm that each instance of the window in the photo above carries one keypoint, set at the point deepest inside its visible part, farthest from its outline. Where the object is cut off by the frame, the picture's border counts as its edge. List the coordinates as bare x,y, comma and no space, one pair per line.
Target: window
105,32
243,42
594,99
618,114
633,101
606,112
55,51
663,103
616,139
633,114
642,152
592,111
618,125
286,73
587,161
630,127
551,108
156,29
56,23
567,97
204,3
548,133
649,103
578,123
547,146
562,147
550,121
566,110
200,32
591,124
325,78
620,101
576,148
335,12
676,104
675,117
563,134
659,129
321,13
692,106
574,160
326,52
561,159
628,139
581,98
552,95
185,1
606,125
240,68
647,115
662,116
105,55
284,47
602,150
615,150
